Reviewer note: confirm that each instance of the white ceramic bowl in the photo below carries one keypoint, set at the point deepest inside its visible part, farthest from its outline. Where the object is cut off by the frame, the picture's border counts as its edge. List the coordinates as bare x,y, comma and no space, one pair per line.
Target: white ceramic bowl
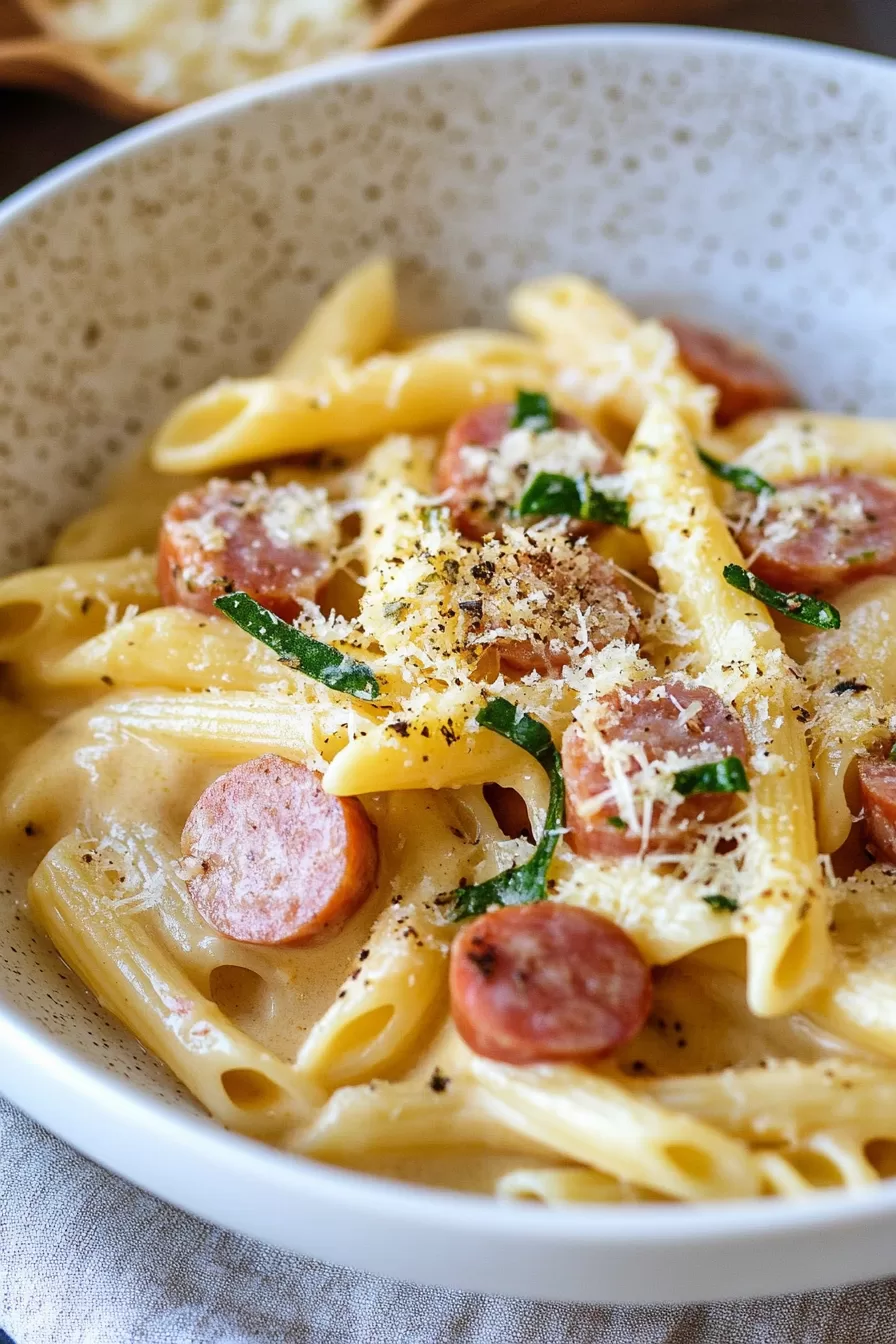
749,182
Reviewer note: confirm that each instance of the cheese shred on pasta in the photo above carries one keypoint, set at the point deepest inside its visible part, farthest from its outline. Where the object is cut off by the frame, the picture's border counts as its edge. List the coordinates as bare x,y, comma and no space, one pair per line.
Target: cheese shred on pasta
768,1063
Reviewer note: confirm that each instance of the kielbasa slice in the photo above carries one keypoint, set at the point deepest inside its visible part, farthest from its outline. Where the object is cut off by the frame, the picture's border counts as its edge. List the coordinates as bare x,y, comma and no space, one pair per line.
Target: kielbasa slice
483,474
270,858
611,809
877,782
746,380
821,532
274,543
533,984
553,596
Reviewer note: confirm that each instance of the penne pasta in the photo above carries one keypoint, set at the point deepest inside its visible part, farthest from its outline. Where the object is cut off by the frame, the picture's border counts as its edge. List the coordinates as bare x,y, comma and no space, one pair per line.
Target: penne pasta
355,321
608,359
446,795
785,922
784,445
73,896
255,419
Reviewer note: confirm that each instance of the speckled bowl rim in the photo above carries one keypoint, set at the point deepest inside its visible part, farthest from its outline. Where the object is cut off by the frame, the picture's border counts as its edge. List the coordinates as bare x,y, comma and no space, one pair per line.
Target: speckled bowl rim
198,1138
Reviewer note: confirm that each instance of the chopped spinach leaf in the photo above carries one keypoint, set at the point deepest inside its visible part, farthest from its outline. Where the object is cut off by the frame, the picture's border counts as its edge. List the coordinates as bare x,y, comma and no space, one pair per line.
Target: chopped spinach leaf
742,478
798,606
299,651
551,494
527,883
727,776
716,901
532,411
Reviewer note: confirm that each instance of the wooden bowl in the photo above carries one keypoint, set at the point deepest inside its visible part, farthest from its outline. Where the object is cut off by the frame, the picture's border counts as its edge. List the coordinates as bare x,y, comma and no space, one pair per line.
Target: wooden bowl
35,52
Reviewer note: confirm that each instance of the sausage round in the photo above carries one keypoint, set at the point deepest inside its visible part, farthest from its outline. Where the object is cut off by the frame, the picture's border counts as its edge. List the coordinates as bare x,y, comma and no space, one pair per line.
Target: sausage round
539,983
270,858
234,535
746,380
468,464
821,532
536,610
877,782
658,718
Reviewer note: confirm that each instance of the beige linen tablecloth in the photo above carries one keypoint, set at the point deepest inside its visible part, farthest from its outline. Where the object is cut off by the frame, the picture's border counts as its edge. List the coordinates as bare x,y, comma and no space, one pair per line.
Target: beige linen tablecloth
86,1258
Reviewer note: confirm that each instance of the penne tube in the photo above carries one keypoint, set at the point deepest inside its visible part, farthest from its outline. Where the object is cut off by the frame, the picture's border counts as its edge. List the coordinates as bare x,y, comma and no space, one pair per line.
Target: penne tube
787,1101
354,321
250,420
785,920
406,1116
416,754
784,445
175,648
228,725
128,520
667,916
611,360
394,996
565,1185
596,1120
857,999
845,724
243,1086
58,604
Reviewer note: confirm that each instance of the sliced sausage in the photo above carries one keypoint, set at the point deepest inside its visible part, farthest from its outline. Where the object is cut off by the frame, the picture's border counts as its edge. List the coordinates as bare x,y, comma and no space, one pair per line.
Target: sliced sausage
274,543
877,782
483,473
552,596
821,532
532,984
613,805
746,380
270,858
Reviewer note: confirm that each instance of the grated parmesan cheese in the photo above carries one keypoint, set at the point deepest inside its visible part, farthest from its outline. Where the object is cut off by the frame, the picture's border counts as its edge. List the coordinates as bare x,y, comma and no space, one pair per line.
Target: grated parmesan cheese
522,454
178,50
633,372
298,516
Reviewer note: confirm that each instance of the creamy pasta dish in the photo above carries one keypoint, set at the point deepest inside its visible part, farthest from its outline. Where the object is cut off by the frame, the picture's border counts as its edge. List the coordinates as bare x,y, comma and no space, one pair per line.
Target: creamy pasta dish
470,758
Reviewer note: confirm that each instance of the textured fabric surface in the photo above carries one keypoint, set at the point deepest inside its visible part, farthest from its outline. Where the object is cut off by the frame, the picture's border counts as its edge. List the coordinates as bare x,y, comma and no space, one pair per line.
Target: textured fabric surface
85,1258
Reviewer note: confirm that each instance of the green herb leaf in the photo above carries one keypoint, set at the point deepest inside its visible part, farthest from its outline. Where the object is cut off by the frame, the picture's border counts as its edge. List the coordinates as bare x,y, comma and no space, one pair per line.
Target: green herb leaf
716,901
617,823
317,660
602,508
550,494
533,411
527,883
798,606
727,776
891,754
861,557
742,478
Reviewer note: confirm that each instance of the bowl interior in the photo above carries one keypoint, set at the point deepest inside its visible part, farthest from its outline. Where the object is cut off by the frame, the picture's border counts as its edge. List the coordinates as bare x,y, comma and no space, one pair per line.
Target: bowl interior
748,183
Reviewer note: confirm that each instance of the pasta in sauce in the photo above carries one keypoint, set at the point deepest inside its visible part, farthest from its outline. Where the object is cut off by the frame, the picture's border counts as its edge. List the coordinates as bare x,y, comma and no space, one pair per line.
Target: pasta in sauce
470,758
